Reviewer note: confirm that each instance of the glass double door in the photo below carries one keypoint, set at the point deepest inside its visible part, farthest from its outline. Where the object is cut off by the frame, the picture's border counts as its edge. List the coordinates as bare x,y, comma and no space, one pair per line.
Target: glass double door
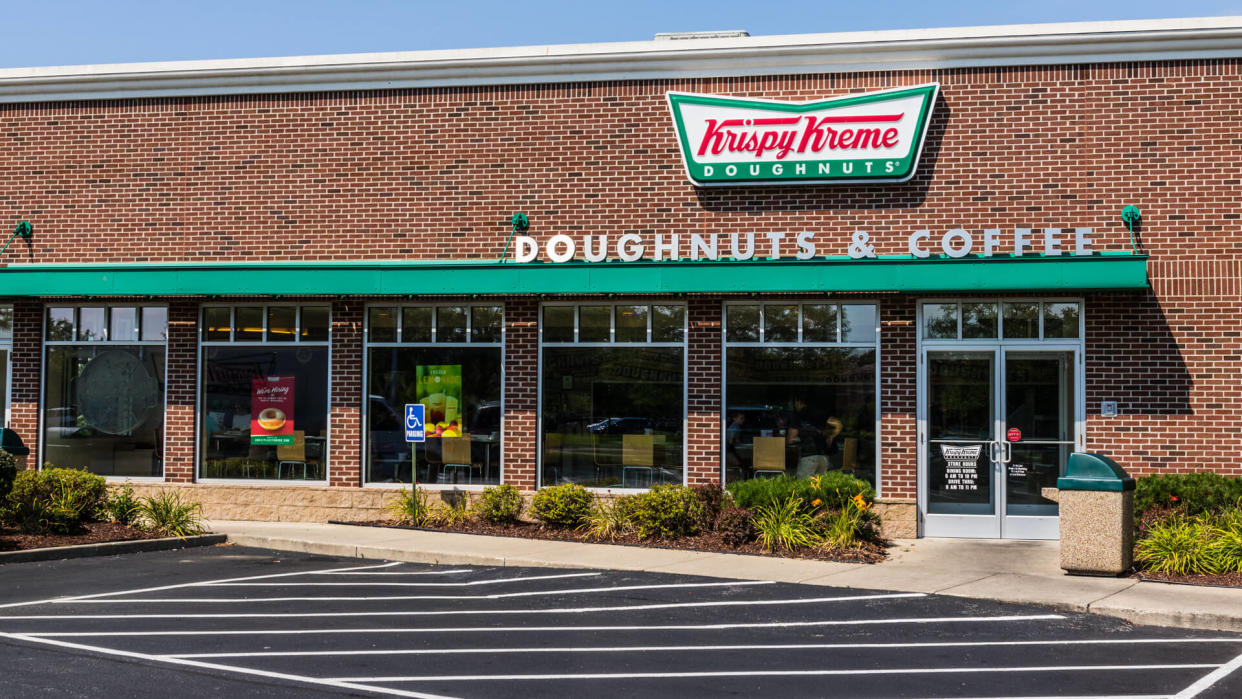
996,426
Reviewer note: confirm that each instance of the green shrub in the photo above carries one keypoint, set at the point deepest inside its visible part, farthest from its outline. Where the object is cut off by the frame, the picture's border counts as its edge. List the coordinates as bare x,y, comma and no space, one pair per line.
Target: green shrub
845,528
789,525
1179,546
56,500
562,506
455,510
1192,493
667,511
501,504
712,500
8,472
608,520
120,506
736,526
1224,551
169,512
832,489
411,508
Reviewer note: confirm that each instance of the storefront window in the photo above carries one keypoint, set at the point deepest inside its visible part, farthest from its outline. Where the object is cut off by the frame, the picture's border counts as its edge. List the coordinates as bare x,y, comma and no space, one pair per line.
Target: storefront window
613,402
799,407
453,368
264,392
104,389
1018,320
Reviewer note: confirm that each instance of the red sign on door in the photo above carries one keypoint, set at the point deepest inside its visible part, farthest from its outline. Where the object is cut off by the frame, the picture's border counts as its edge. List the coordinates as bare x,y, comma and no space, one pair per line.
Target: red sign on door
1014,434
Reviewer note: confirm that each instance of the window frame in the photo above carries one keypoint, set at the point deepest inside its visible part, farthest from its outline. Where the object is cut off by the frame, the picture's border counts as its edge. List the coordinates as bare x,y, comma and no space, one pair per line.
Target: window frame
684,344
367,344
232,342
45,343
875,345
1041,301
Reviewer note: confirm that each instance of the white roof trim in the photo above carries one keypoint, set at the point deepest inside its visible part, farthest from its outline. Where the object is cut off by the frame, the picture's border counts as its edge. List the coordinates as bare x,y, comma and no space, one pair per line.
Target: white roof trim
1012,45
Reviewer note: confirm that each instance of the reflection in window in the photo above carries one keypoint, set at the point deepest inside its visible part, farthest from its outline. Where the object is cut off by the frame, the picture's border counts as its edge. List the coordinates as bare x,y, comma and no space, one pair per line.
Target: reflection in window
799,411
858,323
612,417
459,388
1021,320
1060,320
978,320
940,321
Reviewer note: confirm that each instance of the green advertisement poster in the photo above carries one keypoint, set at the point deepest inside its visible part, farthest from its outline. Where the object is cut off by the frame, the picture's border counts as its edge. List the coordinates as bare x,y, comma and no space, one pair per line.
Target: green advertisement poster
439,390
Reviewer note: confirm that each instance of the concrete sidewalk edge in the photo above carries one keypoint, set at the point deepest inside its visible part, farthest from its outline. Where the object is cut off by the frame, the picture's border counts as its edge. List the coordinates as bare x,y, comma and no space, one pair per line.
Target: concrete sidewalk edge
110,548
1138,602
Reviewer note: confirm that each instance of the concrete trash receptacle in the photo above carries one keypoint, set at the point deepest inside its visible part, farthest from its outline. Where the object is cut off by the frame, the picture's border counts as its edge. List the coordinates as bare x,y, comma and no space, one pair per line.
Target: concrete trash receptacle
1096,498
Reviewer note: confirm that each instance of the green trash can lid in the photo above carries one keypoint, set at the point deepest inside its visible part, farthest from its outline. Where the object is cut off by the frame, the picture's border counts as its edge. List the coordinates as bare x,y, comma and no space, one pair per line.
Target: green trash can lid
1086,471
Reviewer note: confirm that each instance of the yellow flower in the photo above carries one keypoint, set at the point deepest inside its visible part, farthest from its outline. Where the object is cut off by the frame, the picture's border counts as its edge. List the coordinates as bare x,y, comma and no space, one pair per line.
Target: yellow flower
815,502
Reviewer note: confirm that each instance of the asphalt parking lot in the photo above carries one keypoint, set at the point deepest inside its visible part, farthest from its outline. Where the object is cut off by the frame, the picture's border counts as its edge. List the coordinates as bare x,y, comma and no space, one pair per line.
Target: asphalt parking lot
247,622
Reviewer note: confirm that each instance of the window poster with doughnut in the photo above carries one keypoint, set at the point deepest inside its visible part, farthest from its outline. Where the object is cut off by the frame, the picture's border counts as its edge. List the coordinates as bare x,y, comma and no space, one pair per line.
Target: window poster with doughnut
271,410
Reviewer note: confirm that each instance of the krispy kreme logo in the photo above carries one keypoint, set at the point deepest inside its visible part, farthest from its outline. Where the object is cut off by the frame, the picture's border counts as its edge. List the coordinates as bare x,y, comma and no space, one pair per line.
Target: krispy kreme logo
876,137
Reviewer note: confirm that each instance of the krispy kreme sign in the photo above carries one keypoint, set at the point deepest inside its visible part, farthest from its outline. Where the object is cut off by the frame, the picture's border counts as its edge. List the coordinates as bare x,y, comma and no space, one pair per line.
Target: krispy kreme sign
876,137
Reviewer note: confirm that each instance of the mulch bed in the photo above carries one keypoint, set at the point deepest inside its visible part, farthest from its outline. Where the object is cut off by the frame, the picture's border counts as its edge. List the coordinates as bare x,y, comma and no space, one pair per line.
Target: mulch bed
868,552
91,533
1226,580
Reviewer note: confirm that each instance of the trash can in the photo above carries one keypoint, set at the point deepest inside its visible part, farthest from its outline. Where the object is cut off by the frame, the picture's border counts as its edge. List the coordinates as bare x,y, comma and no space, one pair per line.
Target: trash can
1096,498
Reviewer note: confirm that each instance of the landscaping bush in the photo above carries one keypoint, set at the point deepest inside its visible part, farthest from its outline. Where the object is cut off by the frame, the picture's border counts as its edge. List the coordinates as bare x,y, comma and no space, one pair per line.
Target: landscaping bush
56,500
411,508
845,528
562,506
120,506
8,472
666,511
501,504
833,490
1208,544
169,512
712,500
788,525
608,520
736,526
1192,493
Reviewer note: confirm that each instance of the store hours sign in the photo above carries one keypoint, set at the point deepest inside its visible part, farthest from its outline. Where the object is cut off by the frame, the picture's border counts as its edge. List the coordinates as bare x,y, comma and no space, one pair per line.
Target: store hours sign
874,137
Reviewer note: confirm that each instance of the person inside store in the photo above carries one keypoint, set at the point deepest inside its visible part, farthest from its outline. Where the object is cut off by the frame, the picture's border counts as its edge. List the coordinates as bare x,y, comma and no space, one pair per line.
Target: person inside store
733,438
816,441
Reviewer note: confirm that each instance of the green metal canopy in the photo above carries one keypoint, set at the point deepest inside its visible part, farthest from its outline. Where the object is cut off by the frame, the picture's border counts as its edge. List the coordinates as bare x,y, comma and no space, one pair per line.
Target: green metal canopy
456,277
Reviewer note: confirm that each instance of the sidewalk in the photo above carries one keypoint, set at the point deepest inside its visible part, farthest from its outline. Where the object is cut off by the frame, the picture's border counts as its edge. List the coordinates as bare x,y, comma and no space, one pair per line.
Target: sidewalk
1024,572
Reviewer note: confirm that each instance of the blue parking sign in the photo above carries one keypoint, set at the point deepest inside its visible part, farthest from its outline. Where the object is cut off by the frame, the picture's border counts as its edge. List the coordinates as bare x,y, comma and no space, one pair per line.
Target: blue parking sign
415,428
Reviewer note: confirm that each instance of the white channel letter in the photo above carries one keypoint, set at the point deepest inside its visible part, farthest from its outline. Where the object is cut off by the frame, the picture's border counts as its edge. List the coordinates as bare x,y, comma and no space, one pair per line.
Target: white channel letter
912,244
806,245
947,246
629,247
991,241
701,249
1021,240
1082,241
600,253
1052,242
750,246
561,240
526,249
670,247
776,239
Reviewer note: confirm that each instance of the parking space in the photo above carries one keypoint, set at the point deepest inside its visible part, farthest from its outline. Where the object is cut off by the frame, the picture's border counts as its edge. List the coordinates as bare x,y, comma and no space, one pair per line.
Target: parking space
383,628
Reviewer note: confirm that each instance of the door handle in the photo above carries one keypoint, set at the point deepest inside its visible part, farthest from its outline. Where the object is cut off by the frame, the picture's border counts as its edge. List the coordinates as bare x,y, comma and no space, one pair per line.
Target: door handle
995,452
1007,448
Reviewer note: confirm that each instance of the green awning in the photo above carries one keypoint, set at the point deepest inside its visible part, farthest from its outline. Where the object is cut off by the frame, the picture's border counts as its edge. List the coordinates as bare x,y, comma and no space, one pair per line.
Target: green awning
458,277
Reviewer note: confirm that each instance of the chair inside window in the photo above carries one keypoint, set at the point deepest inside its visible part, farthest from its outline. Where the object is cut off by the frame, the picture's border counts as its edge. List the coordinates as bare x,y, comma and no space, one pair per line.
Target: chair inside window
455,454
637,460
769,455
849,454
292,456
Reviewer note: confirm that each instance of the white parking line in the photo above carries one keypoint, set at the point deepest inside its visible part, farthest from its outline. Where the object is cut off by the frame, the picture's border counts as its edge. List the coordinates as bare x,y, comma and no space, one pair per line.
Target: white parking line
410,572
470,583
180,585
537,593
340,684
507,629
459,612
1210,679
713,648
769,673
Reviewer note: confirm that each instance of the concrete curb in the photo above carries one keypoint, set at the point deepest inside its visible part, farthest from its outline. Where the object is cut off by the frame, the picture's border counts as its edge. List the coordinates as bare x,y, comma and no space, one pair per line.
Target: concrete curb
110,548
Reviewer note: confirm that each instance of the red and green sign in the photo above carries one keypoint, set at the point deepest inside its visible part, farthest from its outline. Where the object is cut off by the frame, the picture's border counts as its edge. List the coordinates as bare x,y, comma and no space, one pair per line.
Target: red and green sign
271,410
876,137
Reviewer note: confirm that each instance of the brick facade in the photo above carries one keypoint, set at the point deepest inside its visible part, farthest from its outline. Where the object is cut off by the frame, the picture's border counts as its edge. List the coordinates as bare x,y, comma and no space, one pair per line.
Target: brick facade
436,174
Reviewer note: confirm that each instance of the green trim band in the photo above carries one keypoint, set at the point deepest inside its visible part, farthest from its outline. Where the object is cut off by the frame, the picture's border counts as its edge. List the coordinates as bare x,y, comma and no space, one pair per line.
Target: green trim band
465,277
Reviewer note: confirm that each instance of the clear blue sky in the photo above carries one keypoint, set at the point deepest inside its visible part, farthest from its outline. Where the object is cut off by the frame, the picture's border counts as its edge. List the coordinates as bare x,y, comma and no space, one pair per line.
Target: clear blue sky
68,32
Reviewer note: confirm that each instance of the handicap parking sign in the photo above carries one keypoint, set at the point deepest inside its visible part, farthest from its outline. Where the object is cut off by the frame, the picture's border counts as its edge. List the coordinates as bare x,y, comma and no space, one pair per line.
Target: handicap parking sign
415,429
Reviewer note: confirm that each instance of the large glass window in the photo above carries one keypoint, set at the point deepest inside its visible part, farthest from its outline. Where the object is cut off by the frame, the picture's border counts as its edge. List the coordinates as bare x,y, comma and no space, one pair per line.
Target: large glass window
800,389
448,359
1015,320
264,390
103,396
612,394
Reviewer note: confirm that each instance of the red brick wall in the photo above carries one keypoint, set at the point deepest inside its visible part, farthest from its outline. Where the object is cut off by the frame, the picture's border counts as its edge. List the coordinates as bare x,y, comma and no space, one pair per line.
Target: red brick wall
345,411
181,390
26,365
437,173
898,393
704,379
521,391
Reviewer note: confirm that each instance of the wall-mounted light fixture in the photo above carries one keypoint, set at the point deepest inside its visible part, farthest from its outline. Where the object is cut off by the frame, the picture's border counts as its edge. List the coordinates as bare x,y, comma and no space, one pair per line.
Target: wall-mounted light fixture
1132,218
24,230
520,223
